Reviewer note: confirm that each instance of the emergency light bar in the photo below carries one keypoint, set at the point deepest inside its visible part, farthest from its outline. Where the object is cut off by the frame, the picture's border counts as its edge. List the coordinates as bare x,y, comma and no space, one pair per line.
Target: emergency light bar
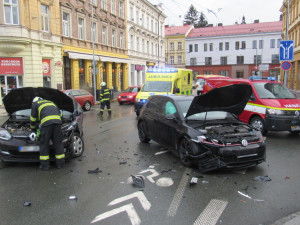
162,70
262,78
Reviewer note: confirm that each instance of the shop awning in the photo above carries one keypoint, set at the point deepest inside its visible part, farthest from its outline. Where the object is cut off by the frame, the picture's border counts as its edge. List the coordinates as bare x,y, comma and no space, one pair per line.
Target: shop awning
113,59
77,55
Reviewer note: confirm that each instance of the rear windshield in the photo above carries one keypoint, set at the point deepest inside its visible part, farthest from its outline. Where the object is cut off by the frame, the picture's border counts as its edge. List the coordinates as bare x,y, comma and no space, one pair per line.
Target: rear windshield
273,91
131,89
157,86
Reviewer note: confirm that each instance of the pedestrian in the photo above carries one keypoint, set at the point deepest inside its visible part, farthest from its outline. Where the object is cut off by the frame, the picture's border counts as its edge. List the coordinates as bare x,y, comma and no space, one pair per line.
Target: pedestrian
47,114
104,99
199,85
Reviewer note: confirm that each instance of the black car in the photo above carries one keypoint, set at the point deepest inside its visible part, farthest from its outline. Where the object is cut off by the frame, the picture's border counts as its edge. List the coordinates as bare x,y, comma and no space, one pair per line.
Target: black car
19,144
204,130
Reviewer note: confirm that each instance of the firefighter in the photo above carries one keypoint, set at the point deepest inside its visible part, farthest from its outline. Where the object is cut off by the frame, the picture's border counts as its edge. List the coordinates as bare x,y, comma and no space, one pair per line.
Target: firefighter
49,117
104,99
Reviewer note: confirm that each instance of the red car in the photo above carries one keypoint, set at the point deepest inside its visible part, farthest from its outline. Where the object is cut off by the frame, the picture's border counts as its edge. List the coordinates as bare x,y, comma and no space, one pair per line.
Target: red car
83,97
128,96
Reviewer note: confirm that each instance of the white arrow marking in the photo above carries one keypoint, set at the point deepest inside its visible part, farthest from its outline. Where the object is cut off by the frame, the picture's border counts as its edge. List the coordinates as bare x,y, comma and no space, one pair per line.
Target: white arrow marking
141,197
154,174
133,216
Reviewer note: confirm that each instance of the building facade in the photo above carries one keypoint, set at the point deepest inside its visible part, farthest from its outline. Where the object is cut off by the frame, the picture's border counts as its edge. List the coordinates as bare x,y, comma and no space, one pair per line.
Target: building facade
293,25
30,45
94,31
237,51
175,44
145,27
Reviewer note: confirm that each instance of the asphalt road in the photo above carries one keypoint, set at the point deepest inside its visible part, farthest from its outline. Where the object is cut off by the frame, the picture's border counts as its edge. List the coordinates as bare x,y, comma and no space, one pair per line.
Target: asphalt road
109,197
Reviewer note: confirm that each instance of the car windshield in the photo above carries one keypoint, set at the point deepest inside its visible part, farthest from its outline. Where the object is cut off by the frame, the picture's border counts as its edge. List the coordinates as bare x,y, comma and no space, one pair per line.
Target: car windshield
131,89
273,91
157,86
212,115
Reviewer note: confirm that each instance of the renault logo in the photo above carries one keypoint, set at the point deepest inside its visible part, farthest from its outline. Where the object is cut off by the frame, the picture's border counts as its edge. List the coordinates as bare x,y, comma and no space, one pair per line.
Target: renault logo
244,142
297,113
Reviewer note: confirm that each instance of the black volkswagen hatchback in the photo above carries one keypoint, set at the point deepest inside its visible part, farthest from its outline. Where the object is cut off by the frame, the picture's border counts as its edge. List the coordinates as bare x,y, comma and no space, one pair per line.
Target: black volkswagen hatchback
204,130
19,144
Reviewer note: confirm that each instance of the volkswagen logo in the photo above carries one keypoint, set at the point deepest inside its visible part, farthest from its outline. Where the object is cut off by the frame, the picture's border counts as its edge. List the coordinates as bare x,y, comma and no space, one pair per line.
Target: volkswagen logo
244,142
297,113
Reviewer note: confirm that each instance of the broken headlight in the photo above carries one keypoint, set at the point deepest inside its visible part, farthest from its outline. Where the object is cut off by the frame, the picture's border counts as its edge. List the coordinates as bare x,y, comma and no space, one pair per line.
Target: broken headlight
4,134
275,112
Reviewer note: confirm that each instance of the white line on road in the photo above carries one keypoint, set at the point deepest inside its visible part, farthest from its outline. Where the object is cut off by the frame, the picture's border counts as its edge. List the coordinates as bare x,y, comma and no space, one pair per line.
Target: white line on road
179,193
211,213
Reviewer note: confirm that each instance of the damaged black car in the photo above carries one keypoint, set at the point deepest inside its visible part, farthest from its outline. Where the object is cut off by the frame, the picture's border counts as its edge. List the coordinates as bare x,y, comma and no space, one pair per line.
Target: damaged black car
204,131
19,144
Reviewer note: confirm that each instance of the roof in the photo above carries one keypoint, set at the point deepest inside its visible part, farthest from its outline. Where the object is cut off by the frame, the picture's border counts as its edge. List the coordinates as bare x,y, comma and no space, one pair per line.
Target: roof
177,30
236,29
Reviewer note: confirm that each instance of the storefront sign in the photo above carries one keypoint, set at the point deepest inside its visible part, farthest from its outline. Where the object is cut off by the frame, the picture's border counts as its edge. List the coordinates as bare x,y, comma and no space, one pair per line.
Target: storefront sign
46,67
11,66
150,63
138,67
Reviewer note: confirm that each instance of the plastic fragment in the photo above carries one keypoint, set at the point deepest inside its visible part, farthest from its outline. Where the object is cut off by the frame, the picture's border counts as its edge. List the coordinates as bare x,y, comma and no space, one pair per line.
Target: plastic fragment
72,197
205,182
27,203
124,162
194,180
138,181
95,171
262,178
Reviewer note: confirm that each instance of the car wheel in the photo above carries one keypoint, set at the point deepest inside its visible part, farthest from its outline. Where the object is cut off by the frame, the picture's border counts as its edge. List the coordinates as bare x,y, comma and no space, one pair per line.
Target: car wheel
258,124
142,133
137,113
77,145
87,106
121,103
185,150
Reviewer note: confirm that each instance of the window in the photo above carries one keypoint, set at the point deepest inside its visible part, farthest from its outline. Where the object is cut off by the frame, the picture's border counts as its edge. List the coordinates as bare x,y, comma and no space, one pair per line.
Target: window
11,11
147,21
142,19
171,46
113,7
240,74
94,2
137,16
121,40
171,60
66,24
226,46
278,43
113,37
131,42
224,73
121,9
193,61
211,46
261,44
254,44
179,59
205,47
221,46
208,72
257,59
81,28
104,35
94,31
143,46
131,14
179,45
196,47
190,48
243,45
137,44
104,4
148,47
152,48
272,43
240,60
208,61
237,45
223,60
151,25
45,18
275,59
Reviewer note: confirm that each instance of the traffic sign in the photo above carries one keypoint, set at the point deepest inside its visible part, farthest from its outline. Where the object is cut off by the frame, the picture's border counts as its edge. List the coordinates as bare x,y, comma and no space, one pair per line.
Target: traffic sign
286,51
286,65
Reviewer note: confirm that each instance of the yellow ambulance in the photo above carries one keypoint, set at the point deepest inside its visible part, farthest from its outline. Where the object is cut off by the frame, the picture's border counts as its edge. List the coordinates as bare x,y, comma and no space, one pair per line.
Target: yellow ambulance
161,81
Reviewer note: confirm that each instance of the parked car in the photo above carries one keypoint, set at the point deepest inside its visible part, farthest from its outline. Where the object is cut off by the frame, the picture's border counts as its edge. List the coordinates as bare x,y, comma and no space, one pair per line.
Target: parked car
129,95
204,130
19,144
83,97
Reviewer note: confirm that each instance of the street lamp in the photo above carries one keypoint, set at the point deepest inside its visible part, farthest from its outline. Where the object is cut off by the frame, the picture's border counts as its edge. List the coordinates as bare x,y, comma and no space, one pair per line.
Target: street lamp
93,46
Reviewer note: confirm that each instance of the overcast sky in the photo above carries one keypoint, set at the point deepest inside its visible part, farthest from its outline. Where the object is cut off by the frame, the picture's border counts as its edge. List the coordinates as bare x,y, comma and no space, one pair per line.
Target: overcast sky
222,11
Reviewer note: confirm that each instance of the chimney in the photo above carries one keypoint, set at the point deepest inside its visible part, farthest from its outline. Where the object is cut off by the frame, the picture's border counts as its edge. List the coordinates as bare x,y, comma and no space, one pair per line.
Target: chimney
220,24
256,21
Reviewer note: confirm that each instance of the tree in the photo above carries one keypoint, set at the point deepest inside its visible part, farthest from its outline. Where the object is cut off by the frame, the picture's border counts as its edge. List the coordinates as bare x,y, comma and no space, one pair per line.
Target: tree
191,17
202,22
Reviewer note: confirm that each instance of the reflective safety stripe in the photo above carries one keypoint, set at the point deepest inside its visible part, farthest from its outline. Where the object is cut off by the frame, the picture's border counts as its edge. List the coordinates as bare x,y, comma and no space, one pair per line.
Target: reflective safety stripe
269,107
105,99
109,109
32,127
46,157
60,156
54,117
102,110
44,105
33,119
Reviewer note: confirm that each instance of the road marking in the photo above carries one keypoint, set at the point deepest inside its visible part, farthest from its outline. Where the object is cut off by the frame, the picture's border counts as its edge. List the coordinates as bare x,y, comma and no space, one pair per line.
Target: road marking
141,197
179,193
211,213
133,216
150,177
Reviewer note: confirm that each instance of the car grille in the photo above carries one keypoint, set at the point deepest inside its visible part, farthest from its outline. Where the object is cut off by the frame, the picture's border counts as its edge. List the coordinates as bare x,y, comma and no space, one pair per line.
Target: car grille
123,96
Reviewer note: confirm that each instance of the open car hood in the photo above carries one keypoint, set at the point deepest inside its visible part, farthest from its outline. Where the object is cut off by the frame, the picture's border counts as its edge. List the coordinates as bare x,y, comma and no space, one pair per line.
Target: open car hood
232,98
21,98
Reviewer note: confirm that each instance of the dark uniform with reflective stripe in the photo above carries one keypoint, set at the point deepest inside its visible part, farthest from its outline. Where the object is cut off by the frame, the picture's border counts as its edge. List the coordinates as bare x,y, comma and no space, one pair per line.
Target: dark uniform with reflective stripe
104,100
48,115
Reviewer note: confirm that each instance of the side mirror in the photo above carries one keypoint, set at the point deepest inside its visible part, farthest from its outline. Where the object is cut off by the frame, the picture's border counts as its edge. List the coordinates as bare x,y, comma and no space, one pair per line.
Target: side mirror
177,90
252,98
170,117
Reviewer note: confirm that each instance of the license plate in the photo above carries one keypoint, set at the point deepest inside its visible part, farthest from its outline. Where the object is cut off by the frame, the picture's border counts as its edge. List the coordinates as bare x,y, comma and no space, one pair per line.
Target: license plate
29,148
295,128
123,100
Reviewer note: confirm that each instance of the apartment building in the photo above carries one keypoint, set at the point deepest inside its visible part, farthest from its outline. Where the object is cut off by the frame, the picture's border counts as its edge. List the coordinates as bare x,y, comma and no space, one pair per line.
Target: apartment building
175,44
145,28
94,30
237,51
30,45
293,25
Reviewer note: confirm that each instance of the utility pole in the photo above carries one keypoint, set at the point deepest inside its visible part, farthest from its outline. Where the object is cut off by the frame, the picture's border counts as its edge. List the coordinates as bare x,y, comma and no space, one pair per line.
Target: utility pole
286,38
